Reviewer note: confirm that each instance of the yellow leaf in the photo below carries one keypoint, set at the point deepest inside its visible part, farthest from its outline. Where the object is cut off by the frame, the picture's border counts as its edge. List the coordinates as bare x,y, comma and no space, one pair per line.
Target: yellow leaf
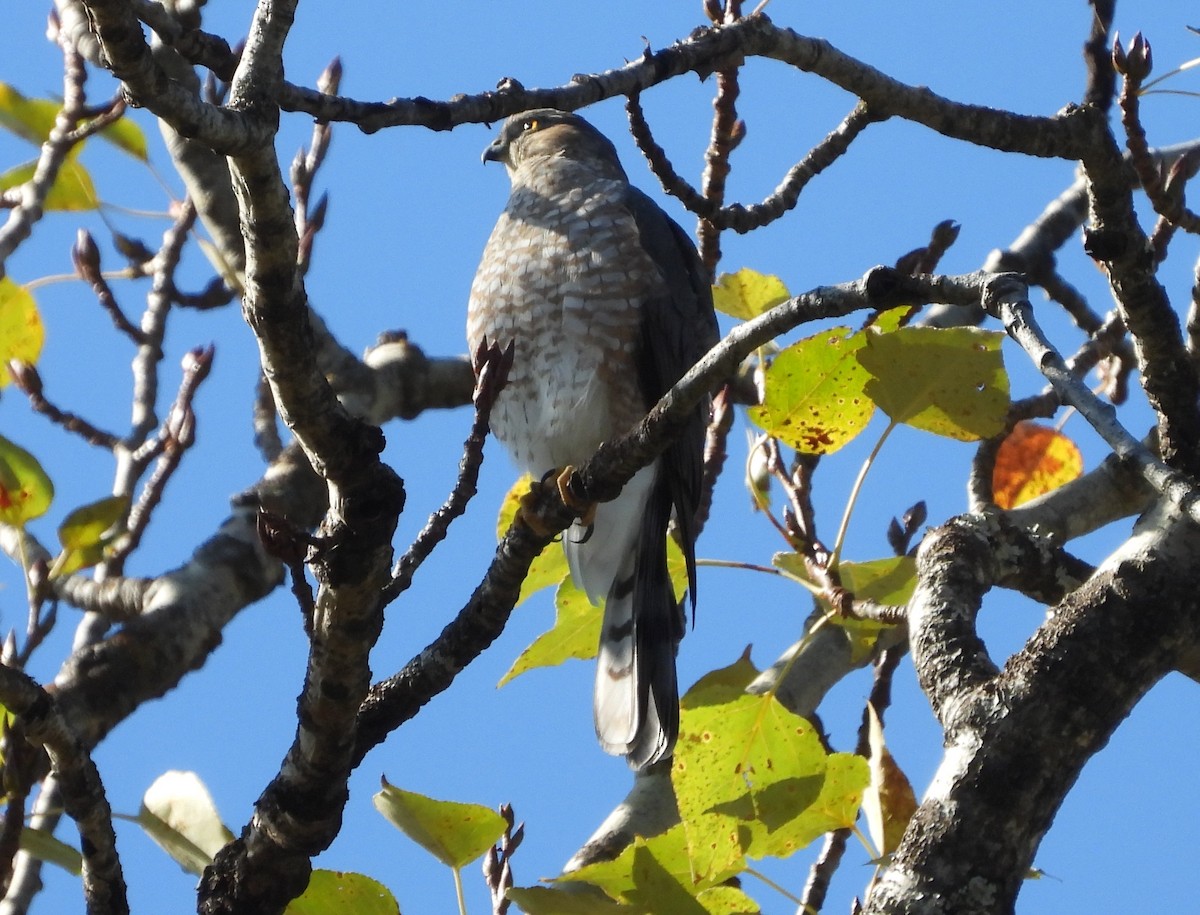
752,779
1032,461
21,330
815,393
31,119
550,567
889,802
25,490
580,899
178,813
454,833
72,188
343,893
748,293
575,634
949,381
128,137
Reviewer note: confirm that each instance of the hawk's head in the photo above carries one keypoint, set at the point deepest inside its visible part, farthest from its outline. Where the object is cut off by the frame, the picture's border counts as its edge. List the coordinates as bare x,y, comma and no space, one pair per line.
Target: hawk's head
547,133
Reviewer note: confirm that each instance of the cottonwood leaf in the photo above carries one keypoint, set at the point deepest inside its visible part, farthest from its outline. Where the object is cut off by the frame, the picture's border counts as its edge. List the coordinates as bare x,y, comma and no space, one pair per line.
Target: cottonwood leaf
550,566
657,889
22,333
727,900
128,137
575,634
580,899
889,802
454,833
86,531
748,293
45,847
750,777
343,893
618,878
1031,461
814,393
72,189
949,381
25,489
178,813
28,118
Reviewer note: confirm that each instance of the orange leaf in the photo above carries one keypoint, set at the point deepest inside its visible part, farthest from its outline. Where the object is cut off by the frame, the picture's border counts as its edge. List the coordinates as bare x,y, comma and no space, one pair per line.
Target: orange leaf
1032,461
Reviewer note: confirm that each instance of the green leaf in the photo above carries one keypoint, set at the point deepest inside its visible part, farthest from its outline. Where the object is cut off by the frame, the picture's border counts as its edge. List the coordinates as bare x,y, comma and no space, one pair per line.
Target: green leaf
25,490
456,834
748,293
575,634
814,393
43,846
178,813
657,889
949,381
30,119
21,330
890,580
343,893
127,136
72,188
617,876
550,567
86,532
579,899
727,900
751,778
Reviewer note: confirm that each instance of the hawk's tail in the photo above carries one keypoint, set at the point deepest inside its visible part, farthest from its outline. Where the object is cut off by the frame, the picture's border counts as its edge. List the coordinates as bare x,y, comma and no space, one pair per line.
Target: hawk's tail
637,697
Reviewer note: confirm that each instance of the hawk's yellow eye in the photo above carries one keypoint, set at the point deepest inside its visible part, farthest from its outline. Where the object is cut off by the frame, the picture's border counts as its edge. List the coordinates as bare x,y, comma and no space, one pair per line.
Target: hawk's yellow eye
530,125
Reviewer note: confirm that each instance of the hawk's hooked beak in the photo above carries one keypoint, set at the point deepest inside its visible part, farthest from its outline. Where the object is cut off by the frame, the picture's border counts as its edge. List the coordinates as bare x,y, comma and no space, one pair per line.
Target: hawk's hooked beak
496,151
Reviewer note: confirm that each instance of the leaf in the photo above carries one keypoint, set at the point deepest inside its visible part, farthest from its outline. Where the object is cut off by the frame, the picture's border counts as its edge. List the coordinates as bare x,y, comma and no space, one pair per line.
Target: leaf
727,900
178,813
25,490
657,890
617,877
814,393
949,381
343,893
890,580
752,779
550,568
748,293
889,802
21,330
30,119
45,847
128,137
86,532
454,833
72,188
1033,460
579,899
575,634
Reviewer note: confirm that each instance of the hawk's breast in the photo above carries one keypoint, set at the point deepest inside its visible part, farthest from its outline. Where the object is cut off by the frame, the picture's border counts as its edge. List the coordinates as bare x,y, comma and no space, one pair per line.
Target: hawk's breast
564,275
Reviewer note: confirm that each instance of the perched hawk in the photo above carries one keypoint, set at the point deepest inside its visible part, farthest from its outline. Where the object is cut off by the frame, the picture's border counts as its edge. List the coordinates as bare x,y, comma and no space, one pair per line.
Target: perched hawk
608,305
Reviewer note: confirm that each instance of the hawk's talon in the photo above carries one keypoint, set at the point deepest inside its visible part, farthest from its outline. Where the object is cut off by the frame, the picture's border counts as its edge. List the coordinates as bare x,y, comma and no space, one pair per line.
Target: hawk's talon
567,483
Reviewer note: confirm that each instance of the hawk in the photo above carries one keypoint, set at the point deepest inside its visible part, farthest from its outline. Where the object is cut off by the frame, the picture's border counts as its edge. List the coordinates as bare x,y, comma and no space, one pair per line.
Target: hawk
607,305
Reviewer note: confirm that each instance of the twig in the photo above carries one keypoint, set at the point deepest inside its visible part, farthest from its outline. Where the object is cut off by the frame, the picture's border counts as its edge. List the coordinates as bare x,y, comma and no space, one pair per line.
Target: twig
736,216
1135,66
86,257
492,366
177,434
29,380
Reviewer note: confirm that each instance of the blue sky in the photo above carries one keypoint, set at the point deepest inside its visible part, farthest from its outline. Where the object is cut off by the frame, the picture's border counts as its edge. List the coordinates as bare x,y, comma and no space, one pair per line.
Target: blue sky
410,211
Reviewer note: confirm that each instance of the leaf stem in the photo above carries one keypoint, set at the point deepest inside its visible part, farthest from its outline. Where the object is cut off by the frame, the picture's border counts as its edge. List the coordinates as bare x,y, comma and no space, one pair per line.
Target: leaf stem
856,490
